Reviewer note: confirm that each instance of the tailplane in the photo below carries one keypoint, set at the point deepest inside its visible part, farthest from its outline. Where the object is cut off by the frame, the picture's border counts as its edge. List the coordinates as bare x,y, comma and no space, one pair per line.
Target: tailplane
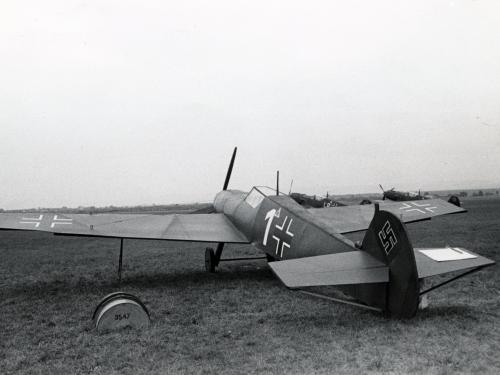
386,273
387,240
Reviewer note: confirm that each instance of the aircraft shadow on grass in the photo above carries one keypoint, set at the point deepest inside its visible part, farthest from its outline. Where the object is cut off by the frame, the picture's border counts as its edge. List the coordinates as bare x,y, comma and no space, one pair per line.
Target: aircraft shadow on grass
172,279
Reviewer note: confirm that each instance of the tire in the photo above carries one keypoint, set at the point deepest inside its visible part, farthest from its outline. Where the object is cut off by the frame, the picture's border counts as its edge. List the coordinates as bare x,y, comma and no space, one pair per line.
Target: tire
454,200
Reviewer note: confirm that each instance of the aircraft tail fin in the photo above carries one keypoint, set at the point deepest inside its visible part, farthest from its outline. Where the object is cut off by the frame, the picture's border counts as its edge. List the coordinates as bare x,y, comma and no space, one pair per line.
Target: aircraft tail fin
387,240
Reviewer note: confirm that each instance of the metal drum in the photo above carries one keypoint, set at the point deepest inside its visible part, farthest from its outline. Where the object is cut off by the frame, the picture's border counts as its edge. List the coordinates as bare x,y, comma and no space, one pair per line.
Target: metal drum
119,310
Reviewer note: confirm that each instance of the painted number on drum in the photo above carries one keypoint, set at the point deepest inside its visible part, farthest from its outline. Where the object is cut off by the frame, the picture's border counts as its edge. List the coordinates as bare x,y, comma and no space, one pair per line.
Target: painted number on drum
122,316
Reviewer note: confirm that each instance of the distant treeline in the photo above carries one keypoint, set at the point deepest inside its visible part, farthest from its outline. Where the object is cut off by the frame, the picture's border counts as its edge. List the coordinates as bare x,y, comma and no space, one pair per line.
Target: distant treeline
190,207
154,209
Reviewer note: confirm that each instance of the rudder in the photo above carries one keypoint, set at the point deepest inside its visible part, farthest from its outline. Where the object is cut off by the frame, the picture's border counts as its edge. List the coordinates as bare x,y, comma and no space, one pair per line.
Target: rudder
387,240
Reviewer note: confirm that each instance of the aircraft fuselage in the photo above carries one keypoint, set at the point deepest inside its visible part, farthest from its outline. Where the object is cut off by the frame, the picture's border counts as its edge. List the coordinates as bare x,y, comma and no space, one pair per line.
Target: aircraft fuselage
279,226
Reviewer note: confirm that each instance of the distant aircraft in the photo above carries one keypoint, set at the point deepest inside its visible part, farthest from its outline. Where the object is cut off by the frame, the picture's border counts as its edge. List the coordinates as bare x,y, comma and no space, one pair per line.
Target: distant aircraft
382,273
313,201
403,196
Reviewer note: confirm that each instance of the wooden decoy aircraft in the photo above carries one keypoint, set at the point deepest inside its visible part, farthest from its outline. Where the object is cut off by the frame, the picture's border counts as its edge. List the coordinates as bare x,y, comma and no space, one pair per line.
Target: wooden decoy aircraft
307,247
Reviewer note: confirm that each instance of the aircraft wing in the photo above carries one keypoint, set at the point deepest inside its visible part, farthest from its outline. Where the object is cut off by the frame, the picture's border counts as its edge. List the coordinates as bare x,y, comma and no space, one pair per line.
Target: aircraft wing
179,227
348,219
352,267
431,262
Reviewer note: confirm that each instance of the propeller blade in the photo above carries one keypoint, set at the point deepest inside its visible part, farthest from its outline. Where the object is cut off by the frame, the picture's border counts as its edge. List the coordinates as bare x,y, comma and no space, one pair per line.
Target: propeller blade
230,169
381,187
277,182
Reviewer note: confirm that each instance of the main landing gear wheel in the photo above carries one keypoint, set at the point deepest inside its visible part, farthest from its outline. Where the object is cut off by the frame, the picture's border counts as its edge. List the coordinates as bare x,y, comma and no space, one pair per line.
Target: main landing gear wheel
210,260
454,200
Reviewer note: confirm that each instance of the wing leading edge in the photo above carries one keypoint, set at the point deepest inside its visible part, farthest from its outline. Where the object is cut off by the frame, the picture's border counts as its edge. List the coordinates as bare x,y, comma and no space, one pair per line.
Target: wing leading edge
177,227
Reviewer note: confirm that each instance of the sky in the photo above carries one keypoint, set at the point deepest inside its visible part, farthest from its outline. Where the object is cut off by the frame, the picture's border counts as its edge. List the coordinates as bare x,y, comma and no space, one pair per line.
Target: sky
132,102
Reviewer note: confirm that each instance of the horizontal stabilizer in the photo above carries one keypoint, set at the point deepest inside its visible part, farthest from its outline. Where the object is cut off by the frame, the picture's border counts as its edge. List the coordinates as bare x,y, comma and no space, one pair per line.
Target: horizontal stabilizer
353,267
431,262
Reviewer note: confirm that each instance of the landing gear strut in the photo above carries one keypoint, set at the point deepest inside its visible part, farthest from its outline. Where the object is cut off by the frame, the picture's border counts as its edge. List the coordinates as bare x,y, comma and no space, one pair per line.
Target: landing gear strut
213,258
120,262
210,261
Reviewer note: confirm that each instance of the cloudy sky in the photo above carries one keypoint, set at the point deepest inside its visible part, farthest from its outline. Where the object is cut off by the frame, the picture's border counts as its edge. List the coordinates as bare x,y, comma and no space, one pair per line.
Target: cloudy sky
132,102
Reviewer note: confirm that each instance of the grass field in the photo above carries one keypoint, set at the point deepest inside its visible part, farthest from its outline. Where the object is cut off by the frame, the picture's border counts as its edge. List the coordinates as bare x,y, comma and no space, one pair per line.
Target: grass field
240,320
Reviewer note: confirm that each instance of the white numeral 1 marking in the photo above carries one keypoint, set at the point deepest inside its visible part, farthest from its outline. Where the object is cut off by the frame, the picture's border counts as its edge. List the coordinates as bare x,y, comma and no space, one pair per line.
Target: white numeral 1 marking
269,218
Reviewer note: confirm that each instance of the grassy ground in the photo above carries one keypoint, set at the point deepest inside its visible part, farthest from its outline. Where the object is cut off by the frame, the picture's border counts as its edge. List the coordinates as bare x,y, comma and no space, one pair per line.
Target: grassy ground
240,320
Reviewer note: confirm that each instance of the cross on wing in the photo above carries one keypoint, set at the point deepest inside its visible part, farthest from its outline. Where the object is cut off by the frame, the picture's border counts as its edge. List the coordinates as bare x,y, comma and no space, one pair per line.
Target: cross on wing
418,207
37,221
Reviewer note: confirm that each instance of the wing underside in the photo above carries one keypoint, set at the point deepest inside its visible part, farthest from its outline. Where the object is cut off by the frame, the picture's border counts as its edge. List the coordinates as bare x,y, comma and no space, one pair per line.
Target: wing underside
178,227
